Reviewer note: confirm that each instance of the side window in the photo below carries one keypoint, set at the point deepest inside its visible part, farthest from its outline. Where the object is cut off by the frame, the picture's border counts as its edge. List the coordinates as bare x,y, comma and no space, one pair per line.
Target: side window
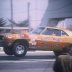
57,32
53,32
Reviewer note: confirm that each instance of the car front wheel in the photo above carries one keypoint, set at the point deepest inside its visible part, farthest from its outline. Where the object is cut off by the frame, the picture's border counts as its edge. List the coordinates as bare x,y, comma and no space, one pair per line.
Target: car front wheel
20,48
57,53
70,50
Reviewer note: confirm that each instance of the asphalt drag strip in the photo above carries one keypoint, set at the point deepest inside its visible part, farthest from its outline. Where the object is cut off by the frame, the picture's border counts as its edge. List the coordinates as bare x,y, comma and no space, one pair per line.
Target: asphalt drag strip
32,62
29,66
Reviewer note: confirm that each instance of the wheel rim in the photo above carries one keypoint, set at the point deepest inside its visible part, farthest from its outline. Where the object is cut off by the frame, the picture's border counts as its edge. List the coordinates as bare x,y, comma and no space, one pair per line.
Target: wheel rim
20,49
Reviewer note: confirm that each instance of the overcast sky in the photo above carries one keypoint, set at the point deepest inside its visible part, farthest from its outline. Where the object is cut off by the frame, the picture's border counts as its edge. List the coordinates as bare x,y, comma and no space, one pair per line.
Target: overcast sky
37,9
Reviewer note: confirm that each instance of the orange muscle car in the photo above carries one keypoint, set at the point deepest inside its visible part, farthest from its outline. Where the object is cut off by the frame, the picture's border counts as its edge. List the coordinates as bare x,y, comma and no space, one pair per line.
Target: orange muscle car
43,38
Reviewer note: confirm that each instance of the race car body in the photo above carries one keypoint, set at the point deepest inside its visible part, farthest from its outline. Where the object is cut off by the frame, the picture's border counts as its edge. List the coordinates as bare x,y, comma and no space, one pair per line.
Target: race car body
52,39
46,38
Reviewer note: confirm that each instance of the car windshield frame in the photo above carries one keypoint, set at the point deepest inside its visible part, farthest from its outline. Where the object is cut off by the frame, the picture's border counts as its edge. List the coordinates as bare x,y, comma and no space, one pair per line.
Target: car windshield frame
68,32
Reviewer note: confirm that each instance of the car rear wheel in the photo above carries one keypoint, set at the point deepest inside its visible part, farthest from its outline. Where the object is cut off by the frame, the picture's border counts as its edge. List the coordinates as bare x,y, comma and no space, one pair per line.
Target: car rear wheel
70,50
20,48
57,53
8,50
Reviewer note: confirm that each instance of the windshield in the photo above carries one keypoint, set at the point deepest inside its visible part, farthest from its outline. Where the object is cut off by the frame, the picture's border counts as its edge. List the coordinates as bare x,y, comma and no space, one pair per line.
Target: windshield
68,32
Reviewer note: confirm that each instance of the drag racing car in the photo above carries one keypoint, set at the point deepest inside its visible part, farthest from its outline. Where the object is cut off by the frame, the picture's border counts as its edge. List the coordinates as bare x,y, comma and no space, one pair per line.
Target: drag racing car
43,38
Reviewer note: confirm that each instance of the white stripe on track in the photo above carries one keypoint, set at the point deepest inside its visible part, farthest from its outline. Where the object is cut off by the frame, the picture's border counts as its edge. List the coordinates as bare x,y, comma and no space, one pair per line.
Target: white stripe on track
29,61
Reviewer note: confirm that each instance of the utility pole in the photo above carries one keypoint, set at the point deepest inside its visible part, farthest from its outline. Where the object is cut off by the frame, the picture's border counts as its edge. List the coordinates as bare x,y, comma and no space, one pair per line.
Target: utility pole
11,2
28,14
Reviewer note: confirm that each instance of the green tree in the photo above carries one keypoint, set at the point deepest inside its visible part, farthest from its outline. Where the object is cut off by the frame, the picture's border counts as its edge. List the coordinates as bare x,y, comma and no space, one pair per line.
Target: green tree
24,23
21,24
2,23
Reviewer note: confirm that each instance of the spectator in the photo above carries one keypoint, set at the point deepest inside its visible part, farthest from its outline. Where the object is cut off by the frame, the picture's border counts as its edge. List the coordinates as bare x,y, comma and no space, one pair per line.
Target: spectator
63,63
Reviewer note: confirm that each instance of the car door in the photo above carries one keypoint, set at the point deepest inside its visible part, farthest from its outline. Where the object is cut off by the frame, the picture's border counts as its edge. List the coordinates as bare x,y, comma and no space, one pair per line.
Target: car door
50,39
66,40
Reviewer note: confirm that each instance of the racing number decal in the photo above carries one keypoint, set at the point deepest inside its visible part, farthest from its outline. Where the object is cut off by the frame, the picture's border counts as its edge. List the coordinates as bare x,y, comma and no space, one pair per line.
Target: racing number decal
57,39
50,39
51,42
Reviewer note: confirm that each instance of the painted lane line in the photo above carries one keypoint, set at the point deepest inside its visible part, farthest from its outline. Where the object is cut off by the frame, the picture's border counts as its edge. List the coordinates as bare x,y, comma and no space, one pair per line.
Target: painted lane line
28,60
1,52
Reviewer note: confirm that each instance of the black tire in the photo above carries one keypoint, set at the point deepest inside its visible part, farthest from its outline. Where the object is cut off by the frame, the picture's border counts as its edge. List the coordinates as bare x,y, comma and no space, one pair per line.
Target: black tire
20,46
70,51
57,67
57,53
63,64
8,50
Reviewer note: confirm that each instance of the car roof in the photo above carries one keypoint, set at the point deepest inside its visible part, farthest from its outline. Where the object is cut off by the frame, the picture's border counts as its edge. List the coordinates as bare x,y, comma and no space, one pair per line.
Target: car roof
64,29
55,28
